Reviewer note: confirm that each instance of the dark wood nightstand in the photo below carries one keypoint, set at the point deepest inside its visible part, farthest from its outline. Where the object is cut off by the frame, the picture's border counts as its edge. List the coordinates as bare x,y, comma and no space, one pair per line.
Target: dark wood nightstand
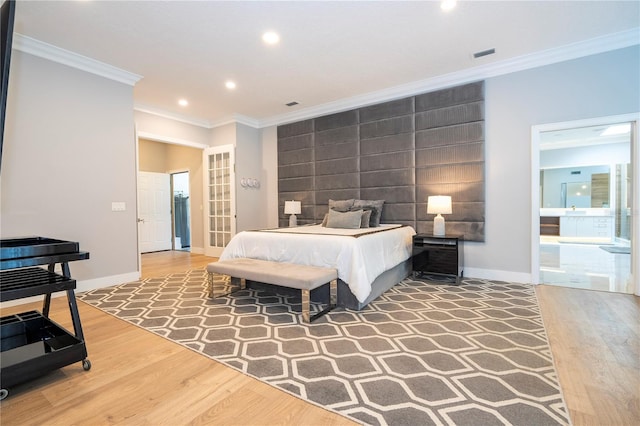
439,258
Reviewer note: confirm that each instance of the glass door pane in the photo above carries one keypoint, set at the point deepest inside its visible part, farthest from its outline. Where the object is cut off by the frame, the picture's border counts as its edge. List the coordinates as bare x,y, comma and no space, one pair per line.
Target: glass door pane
220,213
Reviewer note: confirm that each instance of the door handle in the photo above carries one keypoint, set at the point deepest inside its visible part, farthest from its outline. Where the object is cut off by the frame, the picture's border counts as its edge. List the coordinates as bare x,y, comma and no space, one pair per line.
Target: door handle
140,220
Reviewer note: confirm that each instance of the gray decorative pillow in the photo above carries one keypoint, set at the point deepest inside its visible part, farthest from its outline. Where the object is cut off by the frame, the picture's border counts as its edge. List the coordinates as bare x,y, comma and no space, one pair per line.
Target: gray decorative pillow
366,217
346,220
376,210
341,205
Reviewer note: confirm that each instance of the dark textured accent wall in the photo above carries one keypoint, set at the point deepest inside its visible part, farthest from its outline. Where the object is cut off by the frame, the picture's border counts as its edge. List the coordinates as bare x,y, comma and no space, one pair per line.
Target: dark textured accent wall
400,151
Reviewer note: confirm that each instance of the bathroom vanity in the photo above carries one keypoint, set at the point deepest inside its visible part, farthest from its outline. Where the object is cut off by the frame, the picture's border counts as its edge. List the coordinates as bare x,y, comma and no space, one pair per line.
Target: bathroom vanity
580,223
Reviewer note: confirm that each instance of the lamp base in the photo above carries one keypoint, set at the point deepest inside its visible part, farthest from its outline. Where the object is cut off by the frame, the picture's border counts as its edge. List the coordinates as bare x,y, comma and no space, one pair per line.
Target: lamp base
293,221
438,226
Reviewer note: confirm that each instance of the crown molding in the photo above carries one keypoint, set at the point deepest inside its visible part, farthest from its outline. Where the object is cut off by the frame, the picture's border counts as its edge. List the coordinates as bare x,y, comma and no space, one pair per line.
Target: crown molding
233,119
236,119
547,57
170,140
48,51
150,109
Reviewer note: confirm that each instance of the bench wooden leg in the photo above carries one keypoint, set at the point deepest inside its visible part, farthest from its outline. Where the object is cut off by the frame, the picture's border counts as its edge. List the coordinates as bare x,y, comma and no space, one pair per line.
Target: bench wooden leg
210,285
306,296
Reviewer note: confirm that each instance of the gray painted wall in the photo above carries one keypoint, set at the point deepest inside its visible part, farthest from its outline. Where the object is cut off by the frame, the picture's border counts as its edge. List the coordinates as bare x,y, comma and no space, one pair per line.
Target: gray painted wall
69,152
594,86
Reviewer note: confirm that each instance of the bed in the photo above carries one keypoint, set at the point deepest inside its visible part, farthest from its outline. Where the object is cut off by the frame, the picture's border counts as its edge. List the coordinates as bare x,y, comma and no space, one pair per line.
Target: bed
368,260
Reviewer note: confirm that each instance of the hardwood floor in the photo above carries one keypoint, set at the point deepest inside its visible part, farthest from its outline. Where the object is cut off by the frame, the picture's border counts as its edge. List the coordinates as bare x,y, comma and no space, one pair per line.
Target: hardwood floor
140,378
595,340
163,263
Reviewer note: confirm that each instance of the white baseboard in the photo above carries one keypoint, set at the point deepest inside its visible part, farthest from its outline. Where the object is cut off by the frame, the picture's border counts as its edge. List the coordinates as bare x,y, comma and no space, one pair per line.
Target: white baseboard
494,274
81,286
197,250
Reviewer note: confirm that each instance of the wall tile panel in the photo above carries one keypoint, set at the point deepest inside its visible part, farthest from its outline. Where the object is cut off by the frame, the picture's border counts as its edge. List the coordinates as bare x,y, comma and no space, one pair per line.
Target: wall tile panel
294,129
295,142
386,178
401,151
342,150
340,181
386,110
337,136
391,143
295,157
449,116
450,135
453,96
337,166
296,170
391,194
387,161
390,126
333,121
455,154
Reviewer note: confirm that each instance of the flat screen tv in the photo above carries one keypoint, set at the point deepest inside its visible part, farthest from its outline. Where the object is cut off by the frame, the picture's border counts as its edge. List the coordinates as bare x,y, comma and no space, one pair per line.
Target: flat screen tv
7,15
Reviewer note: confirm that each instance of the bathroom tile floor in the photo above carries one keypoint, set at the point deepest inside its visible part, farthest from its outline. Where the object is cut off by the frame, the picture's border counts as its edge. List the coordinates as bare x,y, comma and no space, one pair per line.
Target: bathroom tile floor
584,265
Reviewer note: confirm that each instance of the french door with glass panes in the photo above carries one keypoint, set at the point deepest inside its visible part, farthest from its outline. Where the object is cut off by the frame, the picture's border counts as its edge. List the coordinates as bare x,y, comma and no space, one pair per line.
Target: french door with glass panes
219,196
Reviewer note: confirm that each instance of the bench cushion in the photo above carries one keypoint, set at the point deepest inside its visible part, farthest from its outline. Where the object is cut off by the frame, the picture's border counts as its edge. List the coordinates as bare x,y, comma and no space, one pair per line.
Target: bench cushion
303,277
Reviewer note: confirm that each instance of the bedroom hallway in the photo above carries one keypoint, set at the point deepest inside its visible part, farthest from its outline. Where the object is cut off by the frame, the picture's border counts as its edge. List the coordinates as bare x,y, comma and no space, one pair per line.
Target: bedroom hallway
593,335
161,263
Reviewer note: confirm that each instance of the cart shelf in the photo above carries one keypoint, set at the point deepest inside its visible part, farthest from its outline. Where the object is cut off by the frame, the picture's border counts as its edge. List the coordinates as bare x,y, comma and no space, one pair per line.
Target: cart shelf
31,344
20,283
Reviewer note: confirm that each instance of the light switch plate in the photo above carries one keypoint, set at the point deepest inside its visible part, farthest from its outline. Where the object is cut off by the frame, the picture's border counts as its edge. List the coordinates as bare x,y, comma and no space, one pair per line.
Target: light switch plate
118,206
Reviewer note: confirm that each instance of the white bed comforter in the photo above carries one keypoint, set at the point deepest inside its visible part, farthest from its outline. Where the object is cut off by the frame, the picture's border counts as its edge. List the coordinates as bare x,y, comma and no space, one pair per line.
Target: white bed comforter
359,260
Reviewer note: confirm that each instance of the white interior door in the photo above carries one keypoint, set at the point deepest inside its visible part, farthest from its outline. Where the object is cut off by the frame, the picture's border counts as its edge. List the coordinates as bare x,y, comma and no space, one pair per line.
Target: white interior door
154,211
219,196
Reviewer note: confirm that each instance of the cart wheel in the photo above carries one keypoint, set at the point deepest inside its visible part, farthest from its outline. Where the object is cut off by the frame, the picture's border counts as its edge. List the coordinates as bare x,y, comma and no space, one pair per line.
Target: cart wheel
86,364
3,394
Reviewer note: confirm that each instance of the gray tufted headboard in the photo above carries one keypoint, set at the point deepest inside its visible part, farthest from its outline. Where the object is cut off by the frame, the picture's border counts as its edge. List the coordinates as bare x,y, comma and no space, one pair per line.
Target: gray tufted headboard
400,151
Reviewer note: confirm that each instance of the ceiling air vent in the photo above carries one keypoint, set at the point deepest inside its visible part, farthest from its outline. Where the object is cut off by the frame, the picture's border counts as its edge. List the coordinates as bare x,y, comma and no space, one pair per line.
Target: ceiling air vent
484,53
290,104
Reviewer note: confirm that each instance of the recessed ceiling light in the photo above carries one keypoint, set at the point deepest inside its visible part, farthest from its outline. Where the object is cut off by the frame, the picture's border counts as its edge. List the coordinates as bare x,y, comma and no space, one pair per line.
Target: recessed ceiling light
617,129
230,85
447,5
183,102
270,37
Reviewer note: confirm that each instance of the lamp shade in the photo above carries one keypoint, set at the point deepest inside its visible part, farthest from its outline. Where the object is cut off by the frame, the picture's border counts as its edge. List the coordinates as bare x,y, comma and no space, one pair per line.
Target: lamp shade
439,204
292,207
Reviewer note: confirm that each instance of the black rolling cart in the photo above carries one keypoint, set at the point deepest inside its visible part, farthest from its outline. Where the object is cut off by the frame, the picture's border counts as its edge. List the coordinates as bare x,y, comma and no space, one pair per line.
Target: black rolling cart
438,258
31,344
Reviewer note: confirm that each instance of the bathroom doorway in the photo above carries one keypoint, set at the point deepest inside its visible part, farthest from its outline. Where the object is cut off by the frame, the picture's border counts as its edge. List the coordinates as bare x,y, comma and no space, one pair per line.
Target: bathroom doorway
181,211
585,206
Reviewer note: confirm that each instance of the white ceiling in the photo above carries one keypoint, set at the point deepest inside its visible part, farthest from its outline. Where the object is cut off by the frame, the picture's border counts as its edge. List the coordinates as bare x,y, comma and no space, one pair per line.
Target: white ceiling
329,51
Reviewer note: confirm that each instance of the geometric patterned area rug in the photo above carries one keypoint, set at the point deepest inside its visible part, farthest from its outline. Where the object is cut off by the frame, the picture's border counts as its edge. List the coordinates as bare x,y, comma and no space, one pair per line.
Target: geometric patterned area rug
420,354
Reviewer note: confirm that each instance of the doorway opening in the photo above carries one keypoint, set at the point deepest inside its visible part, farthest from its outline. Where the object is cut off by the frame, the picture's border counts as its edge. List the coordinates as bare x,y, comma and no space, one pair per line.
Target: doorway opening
181,212
582,223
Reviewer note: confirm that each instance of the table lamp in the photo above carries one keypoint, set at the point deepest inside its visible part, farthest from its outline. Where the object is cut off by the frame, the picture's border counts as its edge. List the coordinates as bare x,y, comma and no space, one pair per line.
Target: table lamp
293,208
439,205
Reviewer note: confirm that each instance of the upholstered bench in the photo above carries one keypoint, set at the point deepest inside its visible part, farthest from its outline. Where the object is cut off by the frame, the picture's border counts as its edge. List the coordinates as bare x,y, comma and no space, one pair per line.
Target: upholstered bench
301,277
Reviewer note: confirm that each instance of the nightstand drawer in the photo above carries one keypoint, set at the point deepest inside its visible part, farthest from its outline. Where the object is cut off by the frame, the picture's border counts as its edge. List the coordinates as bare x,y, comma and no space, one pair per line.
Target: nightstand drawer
438,256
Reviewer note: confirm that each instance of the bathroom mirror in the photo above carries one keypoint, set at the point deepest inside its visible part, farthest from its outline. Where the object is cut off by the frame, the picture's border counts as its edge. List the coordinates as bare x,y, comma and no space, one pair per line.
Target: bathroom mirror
579,187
